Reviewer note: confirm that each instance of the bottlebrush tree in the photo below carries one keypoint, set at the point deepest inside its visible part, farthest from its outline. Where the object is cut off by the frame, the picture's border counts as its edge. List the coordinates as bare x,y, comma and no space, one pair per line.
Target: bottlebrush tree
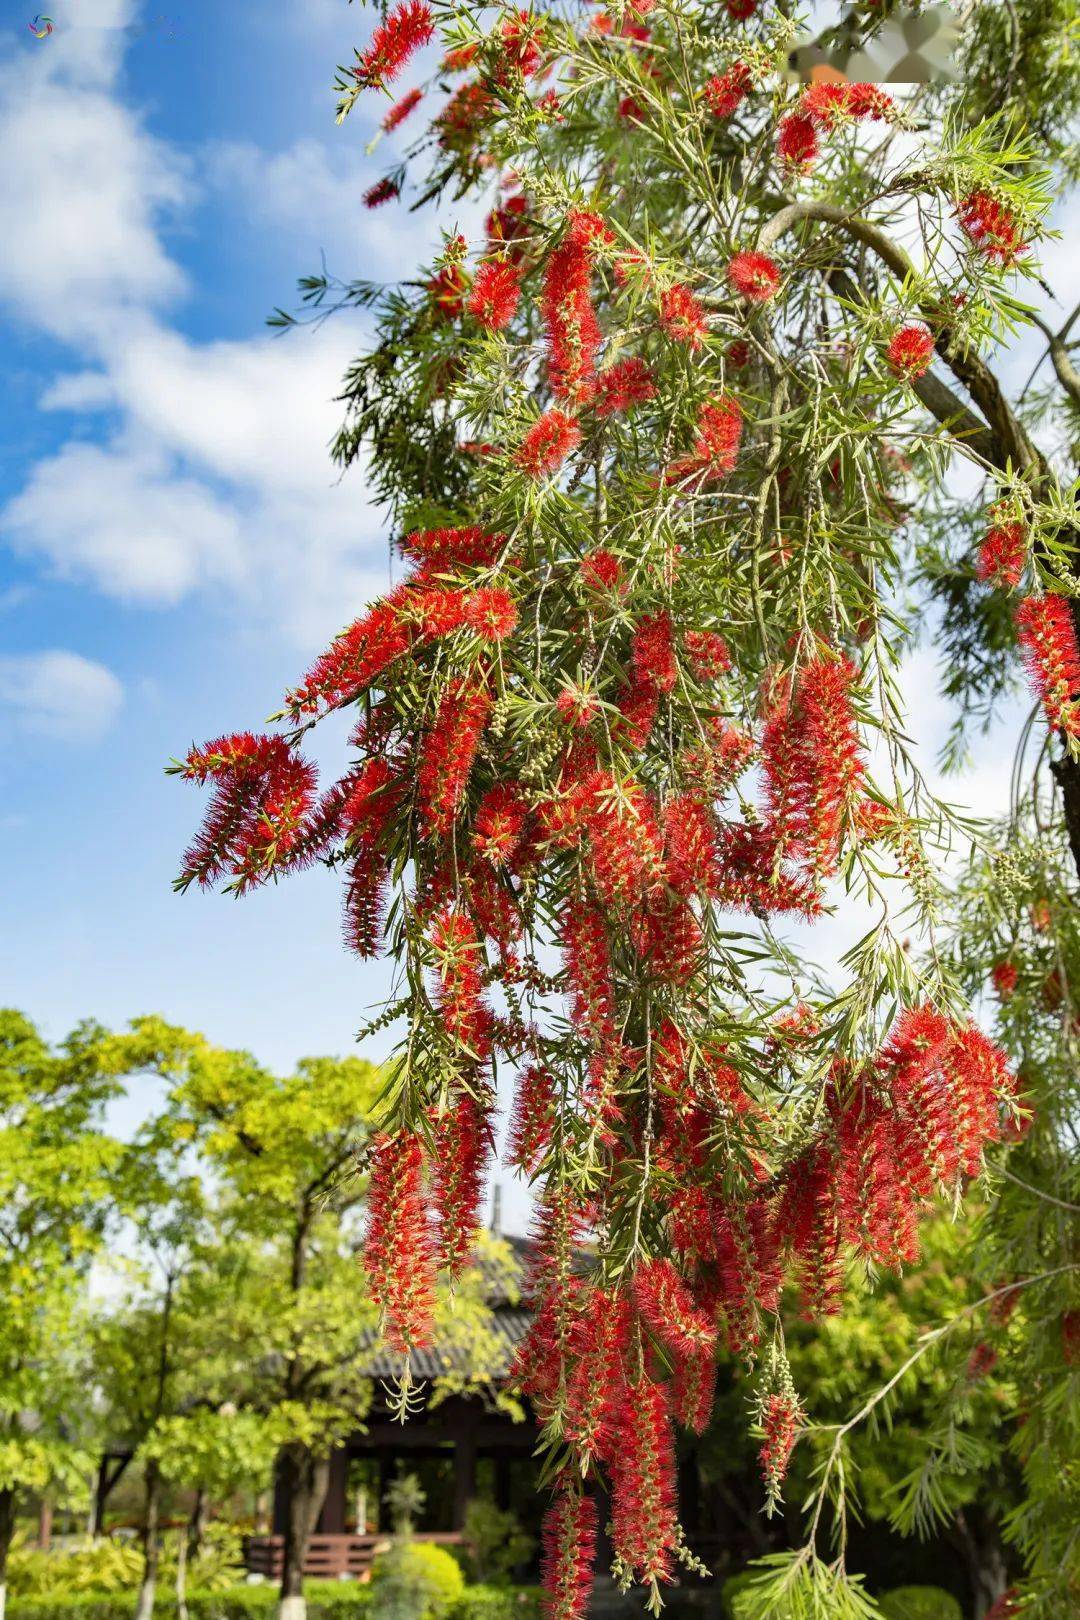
663,448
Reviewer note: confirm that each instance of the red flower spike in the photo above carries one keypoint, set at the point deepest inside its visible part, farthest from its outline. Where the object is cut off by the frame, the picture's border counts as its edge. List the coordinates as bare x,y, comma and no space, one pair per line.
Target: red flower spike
797,150
499,824
981,1362
992,227
448,287
644,1530
682,317
519,49
1003,554
910,351
625,841
533,1119
574,335
652,652
548,443
638,704
741,10
491,613
460,963
693,1390
716,448
1004,976
459,1170
669,1309
398,1250
383,191
449,751
595,1387
495,294
600,570
587,960
754,276
780,1419
725,92
569,1551
1048,640
690,853
401,109
408,27
437,550
1070,1338
623,385
707,652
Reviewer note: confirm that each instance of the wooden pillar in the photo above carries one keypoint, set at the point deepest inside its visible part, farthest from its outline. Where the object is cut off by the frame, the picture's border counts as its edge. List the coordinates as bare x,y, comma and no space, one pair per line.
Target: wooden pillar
331,1521
464,1478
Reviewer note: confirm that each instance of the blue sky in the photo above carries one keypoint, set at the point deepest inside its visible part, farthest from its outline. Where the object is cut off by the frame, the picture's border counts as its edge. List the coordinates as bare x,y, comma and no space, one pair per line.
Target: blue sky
174,543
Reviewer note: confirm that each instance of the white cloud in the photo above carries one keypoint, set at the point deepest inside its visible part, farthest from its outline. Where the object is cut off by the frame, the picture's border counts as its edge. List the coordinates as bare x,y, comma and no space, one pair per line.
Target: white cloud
125,521
80,192
59,695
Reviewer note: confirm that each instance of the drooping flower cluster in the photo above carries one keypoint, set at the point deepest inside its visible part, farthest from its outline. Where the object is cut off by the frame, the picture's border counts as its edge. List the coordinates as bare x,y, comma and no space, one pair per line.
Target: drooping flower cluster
610,723
1048,639
992,226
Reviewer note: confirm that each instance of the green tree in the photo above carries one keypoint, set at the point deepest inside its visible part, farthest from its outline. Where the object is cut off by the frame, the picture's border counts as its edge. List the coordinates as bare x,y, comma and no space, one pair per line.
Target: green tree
55,1196
681,455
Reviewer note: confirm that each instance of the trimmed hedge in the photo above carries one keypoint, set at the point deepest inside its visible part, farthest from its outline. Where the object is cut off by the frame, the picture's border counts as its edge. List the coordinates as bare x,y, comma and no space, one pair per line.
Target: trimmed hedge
327,1600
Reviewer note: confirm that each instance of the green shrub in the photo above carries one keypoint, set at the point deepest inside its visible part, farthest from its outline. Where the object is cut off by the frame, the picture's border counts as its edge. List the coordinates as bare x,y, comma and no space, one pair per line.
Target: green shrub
495,1543
327,1600
919,1603
415,1580
496,1603
95,1566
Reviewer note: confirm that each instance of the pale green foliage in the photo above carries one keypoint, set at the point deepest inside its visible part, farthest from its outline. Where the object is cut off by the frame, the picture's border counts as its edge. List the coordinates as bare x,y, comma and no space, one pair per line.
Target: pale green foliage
415,1580
55,1172
800,1586
495,1542
919,1603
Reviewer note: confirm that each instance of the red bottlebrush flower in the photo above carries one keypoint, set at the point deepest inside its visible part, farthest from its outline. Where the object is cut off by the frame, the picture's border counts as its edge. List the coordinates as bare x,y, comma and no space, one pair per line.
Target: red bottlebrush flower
364,905
495,294
448,287
374,799
518,44
1004,976
780,1419
439,550
624,839
669,1309
668,938
459,954
263,796
797,150
869,101
992,227
741,10
406,29
707,652
548,443
1003,554
383,191
401,109
507,224
574,335
630,111
981,1361
601,570
462,119
910,351
1070,1337
577,707
587,961
449,752
1041,915
644,1530
716,448
499,824
1048,639
456,61
569,1551
813,761
491,612
398,1248
725,92
683,317
459,1168
693,1387
533,1119
1006,1607
626,383
690,858
738,354
595,1387
754,276
638,704
652,652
